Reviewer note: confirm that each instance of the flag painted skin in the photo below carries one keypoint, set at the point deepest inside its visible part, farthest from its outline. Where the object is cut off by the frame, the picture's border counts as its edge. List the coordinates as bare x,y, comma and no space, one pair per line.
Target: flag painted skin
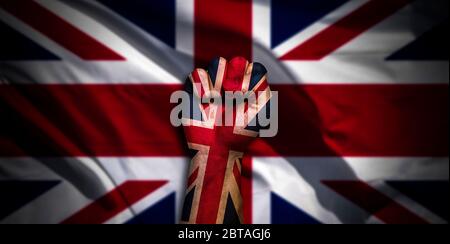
214,183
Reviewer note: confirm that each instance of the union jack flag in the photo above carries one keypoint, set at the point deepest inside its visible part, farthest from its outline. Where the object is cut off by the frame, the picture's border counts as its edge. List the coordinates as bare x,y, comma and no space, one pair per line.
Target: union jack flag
85,134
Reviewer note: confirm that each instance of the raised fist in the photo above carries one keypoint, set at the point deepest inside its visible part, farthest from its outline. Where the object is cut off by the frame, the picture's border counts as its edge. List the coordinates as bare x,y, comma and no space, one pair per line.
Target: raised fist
223,117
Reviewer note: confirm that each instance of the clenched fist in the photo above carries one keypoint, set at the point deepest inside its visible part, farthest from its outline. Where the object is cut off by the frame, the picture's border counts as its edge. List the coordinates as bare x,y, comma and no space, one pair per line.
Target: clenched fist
228,107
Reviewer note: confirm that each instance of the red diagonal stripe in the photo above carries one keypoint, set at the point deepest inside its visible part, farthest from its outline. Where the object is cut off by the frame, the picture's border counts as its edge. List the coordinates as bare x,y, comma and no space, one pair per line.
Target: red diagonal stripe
59,30
374,202
343,31
314,120
114,202
192,177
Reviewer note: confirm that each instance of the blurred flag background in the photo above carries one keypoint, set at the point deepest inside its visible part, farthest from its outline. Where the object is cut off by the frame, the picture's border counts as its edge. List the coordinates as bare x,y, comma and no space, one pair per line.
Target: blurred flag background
85,135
